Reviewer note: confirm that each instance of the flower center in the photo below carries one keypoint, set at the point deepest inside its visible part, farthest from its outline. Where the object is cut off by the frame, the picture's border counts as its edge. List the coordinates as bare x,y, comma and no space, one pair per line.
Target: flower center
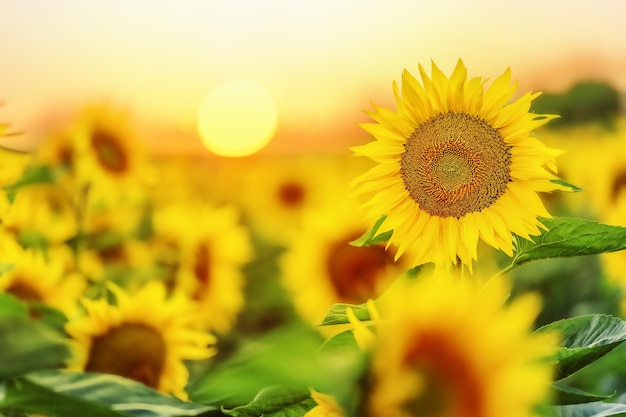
618,186
291,194
109,152
446,383
132,351
455,164
24,292
202,264
355,271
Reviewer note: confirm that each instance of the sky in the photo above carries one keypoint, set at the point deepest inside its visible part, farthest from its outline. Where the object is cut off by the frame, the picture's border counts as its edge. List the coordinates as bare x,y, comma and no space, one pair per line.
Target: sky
321,61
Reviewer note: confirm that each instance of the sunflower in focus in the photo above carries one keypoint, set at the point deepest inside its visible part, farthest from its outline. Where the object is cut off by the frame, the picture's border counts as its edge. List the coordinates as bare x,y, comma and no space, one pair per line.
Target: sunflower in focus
320,267
442,349
145,337
456,164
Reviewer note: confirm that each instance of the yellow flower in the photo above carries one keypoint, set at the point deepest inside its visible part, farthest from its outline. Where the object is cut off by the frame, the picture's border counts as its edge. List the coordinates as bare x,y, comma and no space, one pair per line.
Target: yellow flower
444,349
204,248
320,267
33,278
326,406
109,155
145,337
43,209
456,164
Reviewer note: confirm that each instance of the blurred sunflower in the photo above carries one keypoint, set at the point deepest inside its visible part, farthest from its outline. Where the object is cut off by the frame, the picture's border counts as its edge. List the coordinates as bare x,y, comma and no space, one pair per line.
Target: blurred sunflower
110,156
203,250
320,267
35,278
279,191
449,350
145,337
456,164
43,210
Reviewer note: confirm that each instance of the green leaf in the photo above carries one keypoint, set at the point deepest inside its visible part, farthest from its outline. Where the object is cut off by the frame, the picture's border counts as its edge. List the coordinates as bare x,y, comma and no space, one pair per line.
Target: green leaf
572,188
29,345
594,409
294,410
584,340
337,313
35,174
269,400
285,357
370,237
568,237
82,394
565,394
11,306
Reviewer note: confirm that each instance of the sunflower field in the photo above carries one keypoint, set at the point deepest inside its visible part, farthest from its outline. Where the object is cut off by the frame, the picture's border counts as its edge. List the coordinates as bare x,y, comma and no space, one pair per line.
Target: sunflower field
466,260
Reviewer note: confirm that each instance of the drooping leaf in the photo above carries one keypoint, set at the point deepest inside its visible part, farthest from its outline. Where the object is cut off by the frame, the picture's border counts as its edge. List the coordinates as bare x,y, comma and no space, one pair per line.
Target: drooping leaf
565,394
593,409
36,174
269,400
584,340
568,237
370,237
80,394
337,313
10,306
29,345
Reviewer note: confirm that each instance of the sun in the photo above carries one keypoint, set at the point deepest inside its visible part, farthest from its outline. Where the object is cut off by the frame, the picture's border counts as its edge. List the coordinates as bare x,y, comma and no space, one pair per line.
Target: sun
237,119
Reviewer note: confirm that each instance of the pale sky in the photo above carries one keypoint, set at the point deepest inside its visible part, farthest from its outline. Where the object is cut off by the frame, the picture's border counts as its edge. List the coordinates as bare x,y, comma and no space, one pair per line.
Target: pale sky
322,61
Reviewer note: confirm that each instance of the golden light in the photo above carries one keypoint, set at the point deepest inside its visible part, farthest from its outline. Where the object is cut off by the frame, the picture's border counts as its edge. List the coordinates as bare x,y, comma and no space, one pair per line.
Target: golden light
237,119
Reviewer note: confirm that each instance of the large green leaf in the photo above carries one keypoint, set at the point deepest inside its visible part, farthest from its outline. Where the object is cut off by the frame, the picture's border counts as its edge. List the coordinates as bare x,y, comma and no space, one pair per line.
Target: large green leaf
269,400
83,394
285,357
584,340
568,237
593,409
29,345
294,410
370,237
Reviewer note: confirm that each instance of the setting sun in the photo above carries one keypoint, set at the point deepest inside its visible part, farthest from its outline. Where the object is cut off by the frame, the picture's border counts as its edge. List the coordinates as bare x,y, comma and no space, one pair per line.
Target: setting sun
237,119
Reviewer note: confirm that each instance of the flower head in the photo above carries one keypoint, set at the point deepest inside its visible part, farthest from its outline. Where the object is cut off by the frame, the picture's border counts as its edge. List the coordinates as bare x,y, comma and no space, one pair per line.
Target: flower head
456,164
145,337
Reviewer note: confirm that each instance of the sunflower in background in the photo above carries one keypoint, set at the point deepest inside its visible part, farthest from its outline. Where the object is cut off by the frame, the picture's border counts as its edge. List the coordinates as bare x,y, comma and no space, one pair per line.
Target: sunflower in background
277,192
320,267
443,349
144,337
456,163
36,278
201,250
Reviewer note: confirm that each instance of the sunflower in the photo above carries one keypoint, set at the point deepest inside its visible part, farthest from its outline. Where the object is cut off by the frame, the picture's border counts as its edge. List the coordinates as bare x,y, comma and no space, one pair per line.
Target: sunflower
35,278
443,349
456,164
109,156
320,267
202,250
279,191
145,337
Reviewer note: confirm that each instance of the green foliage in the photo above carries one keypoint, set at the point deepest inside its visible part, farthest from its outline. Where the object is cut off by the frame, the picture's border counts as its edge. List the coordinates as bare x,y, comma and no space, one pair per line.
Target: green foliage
567,237
592,409
67,394
584,340
337,313
584,102
274,401
370,237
